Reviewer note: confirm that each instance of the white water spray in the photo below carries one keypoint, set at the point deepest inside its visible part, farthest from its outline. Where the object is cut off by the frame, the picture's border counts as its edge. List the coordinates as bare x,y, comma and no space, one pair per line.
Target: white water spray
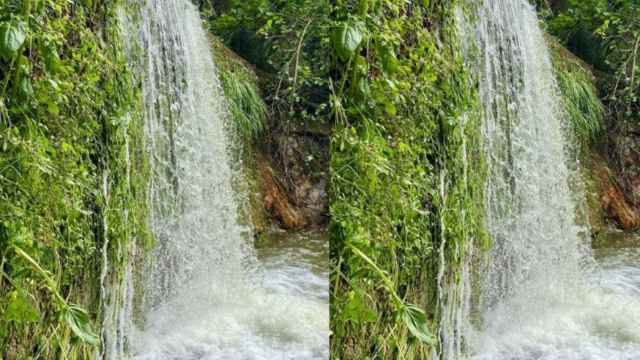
204,294
542,295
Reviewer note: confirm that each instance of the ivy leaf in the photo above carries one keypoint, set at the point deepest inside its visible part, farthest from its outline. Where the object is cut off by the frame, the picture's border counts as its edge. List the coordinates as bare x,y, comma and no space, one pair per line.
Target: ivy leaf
415,320
78,320
12,36
347,39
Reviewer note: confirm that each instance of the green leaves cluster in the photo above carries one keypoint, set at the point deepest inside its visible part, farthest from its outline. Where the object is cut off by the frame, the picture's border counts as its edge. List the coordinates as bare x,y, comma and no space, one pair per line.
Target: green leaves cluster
389,76
68,119
606,34
405,119
290,44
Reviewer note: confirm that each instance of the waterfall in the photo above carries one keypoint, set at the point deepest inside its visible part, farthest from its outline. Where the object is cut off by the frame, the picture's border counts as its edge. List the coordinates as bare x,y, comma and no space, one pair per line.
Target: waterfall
530,209
540,295
200,293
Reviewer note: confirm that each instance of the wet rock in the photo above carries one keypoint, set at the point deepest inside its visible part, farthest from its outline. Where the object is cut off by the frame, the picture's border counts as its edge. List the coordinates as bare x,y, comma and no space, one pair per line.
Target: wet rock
614,202
276,200
303,157
627,151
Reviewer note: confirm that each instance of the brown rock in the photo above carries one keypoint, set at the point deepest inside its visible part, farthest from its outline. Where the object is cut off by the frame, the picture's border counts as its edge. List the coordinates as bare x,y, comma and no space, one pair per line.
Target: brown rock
614,202
277,202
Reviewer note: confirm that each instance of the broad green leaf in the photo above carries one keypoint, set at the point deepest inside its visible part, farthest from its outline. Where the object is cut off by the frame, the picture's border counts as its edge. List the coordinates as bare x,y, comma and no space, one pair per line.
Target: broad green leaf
347,39
78,320
12,36
24,87
415,320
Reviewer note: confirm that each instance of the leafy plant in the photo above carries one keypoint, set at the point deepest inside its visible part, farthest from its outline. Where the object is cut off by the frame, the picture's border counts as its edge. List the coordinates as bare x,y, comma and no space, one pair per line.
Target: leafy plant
12,37
69,119
580,96
607,35
248,110
405,116
347,38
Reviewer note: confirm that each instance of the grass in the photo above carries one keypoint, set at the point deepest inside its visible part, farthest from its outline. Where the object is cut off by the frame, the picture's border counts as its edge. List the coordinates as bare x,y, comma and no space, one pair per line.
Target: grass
580,96
246,106
242,92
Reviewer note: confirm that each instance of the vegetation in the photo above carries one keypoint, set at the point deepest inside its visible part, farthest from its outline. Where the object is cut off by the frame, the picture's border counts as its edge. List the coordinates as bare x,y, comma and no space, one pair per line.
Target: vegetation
605,34
406,171
405,165
68,117
391,218
247,108
579,93
287,41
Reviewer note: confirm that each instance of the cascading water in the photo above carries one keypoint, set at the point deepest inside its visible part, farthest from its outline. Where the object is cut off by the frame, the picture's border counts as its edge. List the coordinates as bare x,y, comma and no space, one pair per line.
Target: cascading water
542,294
205,294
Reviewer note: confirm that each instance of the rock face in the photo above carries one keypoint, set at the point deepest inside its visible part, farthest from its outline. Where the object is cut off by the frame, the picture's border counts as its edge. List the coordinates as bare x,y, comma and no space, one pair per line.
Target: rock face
621,197
626,157
277,202
304,160
614,202
606,199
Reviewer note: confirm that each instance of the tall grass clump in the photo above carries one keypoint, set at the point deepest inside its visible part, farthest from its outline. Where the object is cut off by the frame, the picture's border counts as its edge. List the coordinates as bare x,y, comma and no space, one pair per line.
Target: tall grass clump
581,102
248,110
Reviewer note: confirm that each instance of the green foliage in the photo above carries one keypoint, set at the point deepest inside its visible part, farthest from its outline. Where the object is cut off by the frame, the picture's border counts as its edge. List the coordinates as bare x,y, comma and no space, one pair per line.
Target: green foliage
347,38
242,93
68,122
582,104
12,36
405,151
406,119
606,34
579,94
246,105
289,42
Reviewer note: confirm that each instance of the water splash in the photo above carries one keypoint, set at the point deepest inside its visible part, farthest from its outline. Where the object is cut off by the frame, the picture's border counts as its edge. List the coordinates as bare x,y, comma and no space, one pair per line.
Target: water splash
541,292
202,292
